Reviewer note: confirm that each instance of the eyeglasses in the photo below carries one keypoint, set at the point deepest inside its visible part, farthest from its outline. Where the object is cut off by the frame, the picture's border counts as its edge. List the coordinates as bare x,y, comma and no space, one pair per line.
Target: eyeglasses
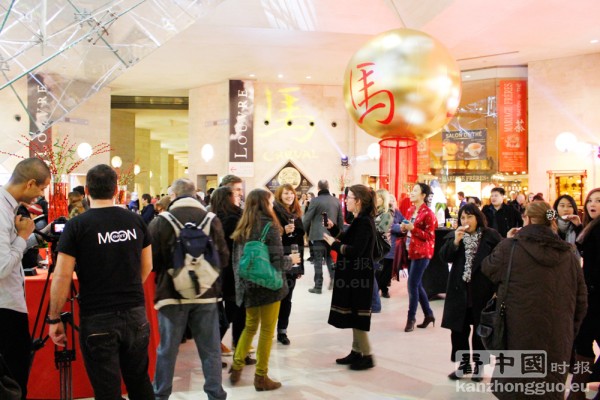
350,197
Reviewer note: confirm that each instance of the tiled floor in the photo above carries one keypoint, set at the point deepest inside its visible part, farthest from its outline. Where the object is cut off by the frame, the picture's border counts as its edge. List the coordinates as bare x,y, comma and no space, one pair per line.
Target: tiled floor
408,365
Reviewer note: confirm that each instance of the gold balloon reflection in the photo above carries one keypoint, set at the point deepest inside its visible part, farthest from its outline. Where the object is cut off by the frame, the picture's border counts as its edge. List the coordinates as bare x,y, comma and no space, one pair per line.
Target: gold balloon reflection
402,83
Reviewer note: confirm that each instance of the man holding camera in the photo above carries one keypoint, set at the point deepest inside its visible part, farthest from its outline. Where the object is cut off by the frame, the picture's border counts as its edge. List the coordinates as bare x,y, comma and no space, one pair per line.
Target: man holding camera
111,247
28,181
321,207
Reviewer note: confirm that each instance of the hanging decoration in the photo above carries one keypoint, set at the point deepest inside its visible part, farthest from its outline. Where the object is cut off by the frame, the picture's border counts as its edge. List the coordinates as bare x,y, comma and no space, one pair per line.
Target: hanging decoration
401,86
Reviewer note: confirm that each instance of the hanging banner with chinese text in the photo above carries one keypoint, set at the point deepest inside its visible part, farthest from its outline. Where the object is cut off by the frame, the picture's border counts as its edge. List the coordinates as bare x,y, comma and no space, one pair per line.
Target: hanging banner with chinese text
241,128
512,126
423,162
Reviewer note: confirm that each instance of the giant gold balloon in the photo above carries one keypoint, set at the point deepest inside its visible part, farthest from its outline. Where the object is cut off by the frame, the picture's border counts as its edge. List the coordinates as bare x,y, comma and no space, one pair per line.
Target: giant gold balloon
402,83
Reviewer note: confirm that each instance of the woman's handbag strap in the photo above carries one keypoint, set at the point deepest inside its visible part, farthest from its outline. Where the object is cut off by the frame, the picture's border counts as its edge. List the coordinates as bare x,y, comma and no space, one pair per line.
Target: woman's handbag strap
510,261
263,235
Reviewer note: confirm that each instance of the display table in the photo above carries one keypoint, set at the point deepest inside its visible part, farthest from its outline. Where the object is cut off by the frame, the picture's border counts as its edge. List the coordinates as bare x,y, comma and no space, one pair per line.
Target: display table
44,377
435,277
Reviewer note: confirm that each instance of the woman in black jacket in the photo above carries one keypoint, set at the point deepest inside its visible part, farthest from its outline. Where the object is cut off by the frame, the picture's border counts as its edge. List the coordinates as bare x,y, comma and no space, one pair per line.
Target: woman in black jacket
589,245
468,289
289,213
353,288
222,203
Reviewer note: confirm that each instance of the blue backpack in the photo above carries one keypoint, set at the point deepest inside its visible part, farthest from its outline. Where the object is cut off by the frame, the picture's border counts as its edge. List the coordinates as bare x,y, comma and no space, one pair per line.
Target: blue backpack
196,264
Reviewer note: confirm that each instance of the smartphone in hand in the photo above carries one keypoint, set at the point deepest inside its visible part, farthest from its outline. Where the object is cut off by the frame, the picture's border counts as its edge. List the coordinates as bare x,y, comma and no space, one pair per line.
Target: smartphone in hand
324,215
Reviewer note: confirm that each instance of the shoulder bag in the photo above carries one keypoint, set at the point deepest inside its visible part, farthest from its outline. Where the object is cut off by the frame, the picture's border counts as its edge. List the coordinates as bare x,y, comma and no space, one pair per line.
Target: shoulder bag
255,263
492,324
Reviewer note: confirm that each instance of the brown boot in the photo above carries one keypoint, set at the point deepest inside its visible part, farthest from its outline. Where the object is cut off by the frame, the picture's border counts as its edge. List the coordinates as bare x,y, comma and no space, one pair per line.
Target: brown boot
263,383
581,377
234,375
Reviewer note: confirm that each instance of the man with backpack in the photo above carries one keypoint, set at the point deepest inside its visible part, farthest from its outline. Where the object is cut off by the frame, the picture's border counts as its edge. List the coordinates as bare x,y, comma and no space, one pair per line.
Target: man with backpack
187,287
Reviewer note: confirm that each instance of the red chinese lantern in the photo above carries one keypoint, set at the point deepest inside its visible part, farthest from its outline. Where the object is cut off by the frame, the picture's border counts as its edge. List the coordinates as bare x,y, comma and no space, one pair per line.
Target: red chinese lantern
402,86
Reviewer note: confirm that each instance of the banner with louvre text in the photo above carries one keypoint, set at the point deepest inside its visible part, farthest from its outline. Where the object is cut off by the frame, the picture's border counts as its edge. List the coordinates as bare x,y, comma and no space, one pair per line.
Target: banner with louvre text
241,128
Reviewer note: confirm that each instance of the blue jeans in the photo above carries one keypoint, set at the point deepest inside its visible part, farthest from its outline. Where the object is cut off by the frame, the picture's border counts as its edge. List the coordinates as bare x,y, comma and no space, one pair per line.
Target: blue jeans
416,292
376,300
321,252
115,344
204,324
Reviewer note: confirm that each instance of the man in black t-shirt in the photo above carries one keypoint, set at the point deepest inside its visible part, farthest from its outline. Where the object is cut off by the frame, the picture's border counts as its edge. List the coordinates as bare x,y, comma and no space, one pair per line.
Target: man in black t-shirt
111,247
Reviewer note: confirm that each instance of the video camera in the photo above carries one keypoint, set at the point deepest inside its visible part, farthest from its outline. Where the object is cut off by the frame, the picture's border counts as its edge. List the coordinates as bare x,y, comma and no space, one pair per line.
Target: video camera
49,232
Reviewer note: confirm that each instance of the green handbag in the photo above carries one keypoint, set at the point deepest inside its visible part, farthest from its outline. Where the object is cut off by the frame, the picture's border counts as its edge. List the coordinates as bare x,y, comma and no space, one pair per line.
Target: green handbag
255,264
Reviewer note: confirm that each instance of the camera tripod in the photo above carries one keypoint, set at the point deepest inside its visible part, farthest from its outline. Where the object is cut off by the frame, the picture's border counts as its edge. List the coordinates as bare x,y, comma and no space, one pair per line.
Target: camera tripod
62,357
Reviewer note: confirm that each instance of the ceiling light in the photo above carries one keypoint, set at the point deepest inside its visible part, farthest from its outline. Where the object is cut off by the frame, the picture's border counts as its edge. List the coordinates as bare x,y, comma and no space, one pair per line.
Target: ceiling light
207,152
308,77
84,150
136,169
594,41
280,76
116,162
252,75
467,76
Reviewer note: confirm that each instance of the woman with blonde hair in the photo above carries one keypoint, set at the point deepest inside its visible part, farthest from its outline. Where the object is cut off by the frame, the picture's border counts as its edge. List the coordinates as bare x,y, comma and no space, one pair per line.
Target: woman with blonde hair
288,211
545,301
262,304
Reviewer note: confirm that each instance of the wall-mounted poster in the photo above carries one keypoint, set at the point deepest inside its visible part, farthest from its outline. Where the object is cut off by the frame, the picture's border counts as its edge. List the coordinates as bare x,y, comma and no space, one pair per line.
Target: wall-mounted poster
464,145
289,173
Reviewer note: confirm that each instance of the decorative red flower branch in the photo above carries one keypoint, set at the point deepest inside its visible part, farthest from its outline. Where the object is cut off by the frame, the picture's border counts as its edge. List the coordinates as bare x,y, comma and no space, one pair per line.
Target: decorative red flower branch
60,156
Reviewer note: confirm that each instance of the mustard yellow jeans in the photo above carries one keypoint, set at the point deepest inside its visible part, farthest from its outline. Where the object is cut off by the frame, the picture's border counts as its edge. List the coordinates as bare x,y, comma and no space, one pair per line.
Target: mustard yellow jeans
265,316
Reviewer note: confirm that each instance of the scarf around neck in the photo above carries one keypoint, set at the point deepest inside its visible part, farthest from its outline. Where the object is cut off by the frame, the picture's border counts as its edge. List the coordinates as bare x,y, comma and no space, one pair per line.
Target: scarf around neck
471,242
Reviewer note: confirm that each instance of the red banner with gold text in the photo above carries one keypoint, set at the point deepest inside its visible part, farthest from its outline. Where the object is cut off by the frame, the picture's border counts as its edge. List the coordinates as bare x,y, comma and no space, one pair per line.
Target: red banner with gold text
512,126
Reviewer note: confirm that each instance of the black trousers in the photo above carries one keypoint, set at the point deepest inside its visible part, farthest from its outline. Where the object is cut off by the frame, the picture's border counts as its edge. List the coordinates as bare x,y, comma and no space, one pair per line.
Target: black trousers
384,275
286,307
15,345
460,339
237,317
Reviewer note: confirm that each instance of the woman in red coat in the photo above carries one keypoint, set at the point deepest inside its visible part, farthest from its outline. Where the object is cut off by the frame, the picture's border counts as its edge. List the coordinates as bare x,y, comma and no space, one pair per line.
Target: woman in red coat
420,242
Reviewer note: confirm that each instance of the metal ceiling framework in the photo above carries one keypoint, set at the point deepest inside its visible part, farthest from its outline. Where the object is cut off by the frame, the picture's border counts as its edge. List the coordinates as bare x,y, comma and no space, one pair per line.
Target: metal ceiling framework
74,48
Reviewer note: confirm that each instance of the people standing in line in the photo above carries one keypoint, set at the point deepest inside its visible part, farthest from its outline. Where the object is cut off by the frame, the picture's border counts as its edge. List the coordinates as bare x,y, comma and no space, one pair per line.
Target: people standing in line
222,203
176,313
545,301
289,213
383,222
499,215
262,304
353,289
147,208
420,232
568,223
313,224
110,250
468,289
27,182
588,243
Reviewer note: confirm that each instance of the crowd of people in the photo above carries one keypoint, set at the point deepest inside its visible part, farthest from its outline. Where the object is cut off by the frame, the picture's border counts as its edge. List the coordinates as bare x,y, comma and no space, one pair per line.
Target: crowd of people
545,257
